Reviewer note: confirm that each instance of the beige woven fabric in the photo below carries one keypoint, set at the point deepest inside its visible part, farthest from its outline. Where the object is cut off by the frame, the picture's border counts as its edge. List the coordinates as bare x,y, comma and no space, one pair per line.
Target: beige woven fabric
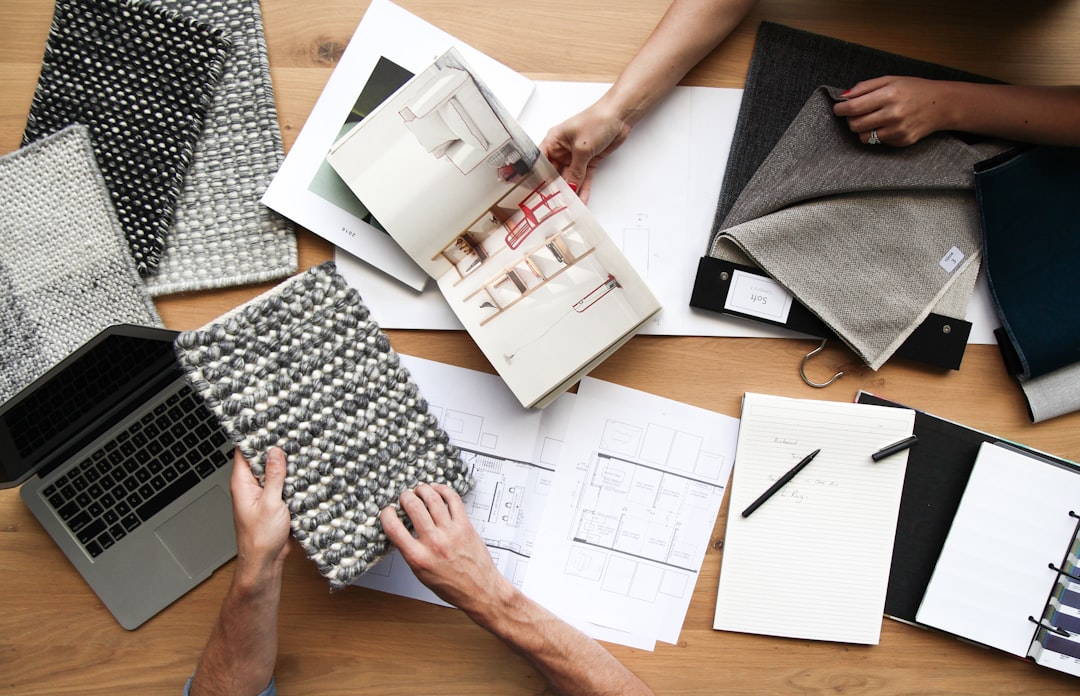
870,239
221,235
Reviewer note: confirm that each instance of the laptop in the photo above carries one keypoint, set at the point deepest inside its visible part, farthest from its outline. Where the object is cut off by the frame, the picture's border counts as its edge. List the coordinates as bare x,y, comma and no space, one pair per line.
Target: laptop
126,468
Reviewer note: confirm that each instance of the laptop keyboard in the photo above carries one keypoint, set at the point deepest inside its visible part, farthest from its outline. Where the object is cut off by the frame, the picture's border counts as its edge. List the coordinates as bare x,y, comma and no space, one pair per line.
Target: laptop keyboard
140,471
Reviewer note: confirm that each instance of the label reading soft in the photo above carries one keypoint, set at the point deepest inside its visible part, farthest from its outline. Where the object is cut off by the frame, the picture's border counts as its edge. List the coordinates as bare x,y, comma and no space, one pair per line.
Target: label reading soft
951,260
758,296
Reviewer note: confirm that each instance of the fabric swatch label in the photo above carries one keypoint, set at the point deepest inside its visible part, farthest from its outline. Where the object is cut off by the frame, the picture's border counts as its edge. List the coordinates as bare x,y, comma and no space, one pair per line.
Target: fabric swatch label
758,296
951,260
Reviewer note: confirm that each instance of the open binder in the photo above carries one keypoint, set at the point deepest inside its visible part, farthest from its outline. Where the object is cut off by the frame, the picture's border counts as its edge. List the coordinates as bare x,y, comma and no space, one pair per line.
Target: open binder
1007,576
952,484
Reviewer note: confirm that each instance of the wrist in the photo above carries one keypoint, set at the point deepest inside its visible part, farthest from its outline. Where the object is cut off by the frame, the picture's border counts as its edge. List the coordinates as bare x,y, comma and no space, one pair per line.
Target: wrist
623,104
947,106
492,610
251,579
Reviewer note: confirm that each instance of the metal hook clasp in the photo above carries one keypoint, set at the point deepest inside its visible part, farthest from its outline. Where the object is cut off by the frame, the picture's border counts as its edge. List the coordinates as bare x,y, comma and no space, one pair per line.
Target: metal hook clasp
802,368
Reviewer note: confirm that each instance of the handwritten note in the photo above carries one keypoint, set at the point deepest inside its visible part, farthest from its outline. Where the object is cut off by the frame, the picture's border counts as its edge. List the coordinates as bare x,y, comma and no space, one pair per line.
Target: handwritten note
813,561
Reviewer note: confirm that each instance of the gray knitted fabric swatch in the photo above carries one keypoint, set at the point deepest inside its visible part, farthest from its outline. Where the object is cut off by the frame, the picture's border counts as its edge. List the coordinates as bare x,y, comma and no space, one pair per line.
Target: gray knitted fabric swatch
221,234
304,368
870,239
65,269
140,79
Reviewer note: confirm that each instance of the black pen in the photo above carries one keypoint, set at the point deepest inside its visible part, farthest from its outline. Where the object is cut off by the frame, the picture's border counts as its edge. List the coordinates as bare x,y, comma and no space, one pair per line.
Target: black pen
894,448
780,483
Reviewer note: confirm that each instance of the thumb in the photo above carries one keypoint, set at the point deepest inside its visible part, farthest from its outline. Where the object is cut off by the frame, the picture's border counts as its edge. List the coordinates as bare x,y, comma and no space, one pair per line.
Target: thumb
274,479
574,173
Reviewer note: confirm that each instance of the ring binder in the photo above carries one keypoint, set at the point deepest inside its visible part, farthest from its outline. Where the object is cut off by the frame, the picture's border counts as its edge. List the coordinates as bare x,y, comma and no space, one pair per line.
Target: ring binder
1037,489
1066,573
1052,629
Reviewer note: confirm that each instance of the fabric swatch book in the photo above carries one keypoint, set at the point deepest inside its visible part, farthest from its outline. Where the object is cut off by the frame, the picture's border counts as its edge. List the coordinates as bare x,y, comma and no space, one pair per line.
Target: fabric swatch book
389,46
1009,573
456,182
813,560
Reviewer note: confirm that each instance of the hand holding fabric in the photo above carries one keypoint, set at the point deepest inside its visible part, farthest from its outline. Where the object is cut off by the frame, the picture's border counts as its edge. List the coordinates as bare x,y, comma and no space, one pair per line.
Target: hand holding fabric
446,554
260,515
903,110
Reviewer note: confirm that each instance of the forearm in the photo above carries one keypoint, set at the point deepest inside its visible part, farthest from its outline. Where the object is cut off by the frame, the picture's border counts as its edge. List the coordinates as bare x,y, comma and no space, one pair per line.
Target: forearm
570,661
240,654
1044,115
688,31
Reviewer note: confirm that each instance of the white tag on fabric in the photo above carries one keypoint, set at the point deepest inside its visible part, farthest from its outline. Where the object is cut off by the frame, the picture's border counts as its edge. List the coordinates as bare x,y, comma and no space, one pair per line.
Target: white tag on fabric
951,260
758,296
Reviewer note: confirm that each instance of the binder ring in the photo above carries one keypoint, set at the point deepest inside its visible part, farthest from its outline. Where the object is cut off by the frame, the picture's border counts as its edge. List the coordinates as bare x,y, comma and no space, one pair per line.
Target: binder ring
1048,627
802,368
1062,571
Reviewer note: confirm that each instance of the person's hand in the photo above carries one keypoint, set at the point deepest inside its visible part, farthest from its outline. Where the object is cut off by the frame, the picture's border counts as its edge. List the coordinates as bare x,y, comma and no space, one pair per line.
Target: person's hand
260,515
446,554
903,110
577,145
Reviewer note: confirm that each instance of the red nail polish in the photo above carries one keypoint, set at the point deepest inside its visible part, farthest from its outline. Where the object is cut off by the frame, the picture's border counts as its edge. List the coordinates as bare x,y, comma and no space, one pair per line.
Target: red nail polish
845,93
573,187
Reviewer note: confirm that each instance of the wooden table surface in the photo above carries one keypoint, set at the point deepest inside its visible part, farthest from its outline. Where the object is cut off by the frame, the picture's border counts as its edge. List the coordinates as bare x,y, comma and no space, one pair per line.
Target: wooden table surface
56,638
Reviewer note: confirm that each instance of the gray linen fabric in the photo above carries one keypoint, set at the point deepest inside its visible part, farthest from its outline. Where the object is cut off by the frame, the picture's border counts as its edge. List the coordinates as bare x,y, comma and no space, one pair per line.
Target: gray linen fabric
858,233
1053,394
787,65
66,271
221,235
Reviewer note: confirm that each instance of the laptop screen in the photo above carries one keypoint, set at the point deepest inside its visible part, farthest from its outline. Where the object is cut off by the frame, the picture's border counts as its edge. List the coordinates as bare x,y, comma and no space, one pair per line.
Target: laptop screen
82,396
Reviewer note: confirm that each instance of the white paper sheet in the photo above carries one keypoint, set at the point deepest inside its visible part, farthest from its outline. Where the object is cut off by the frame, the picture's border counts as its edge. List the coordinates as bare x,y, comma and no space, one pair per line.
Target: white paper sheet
1013,521
631,510
389,31
514,451
812,561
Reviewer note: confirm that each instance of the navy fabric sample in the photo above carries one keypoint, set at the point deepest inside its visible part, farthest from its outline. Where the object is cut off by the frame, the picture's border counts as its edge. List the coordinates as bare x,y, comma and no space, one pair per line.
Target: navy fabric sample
1031,230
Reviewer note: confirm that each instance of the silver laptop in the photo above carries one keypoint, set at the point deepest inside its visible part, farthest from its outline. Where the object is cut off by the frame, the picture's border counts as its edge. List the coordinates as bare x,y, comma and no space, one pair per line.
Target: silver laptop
126,468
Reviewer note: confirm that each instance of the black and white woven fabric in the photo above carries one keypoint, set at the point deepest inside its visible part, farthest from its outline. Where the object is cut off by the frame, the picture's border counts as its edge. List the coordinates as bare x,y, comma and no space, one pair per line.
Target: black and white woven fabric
221,234
304,368
141,79
65,269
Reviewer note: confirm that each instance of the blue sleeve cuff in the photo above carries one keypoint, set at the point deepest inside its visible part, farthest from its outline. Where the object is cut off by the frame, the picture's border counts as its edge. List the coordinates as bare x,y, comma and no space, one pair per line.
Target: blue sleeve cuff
270,690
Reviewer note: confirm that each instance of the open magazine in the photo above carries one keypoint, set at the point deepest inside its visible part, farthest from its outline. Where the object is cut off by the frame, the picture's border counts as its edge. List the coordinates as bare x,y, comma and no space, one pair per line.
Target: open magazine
532,276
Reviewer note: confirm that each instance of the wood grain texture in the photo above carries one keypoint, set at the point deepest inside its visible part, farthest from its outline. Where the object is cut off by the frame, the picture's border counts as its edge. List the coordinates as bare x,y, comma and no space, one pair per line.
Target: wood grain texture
56,638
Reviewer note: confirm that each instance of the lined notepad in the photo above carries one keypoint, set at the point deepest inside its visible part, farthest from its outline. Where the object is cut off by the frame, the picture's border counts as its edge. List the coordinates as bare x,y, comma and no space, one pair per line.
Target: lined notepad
813,561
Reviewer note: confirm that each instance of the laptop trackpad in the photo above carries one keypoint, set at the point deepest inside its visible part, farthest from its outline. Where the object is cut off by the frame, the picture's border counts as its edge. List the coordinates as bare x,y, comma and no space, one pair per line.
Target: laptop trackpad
201,536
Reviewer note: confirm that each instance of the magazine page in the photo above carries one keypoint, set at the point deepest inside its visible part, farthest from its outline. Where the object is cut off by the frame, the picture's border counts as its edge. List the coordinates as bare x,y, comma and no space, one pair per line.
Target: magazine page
525,266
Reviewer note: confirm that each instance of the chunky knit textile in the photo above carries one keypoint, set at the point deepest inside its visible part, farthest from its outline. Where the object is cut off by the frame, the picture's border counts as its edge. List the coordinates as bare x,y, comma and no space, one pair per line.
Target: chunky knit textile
141,79
65,269
304,368
221,234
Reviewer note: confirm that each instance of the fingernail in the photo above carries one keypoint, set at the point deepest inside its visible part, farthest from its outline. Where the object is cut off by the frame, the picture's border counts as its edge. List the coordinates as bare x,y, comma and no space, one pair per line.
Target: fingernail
573,186
845,93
